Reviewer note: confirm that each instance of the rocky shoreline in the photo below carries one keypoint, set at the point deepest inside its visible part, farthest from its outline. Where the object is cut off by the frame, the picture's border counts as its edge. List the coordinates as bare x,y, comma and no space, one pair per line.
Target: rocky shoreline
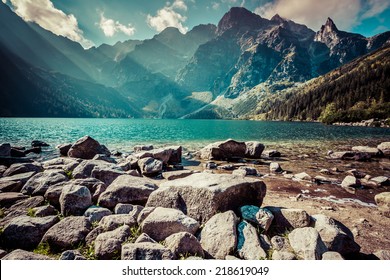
164,203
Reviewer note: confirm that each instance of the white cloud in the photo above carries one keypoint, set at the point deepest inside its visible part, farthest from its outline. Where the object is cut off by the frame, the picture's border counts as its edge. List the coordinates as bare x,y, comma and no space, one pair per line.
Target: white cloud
314,13
375,7
50,18
215,5
110,27
169,16
4,1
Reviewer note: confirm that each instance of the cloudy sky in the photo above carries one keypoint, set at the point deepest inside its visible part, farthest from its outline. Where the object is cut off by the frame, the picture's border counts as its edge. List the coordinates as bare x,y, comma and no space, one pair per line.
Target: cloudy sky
93,22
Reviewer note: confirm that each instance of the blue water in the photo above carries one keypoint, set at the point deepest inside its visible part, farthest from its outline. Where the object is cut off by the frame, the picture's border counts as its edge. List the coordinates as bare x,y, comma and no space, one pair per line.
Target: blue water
127,132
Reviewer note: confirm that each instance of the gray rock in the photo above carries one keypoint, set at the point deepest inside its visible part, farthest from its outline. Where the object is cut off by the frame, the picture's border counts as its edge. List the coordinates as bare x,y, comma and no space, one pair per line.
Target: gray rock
248,244
275,167
289,218
86,148
3,168
173,175
19,168
95,213
5,150
95,186
68,233
64,149
25,204
38,143
271,153
150,166
307,243
184,244
202,195
374,152
114,221
350,183
332,256
250,171
15,183
144,238
385,148
254,149
335,235
168,155
44,211
93,234
9,198
53,193
224,150
106,174
72,255
219,235
104,171
163,222
140,148
283,256
104,158
302,176
26,232
383,202
74,200
19,254
383,254
127,189
145,251
39,183
108,245
144,213
122,208
280,243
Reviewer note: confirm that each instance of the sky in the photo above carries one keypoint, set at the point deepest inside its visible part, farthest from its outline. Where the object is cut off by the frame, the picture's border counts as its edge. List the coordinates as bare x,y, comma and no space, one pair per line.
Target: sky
94,22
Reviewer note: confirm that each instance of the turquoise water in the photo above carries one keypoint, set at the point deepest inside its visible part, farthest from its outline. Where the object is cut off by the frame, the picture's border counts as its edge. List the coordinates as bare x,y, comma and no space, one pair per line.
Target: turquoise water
123,133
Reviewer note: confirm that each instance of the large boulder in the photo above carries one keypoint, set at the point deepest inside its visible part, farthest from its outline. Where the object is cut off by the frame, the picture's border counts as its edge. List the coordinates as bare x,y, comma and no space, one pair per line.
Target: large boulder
150,166
86,148
39,183
145,251
104,171
248,242
168,155
19,254
335,235
68,233
108,245
5,150
184,244
19,168
127,189
254,149
64,149
74,200
219,235
307,243
385,148
163,222
286,218
383,202
26,232
202,195
16,182
224,150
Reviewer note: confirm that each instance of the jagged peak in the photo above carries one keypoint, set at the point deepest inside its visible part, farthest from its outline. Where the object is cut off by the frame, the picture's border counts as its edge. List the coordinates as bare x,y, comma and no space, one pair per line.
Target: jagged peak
330,25
278,18
238,16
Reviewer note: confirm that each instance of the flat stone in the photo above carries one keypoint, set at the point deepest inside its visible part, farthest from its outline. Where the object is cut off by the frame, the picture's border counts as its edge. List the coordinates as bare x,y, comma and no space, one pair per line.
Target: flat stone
86,148
303,176
224,150
381,180
15,183
19,168
374,152
9,198
350,183
173,175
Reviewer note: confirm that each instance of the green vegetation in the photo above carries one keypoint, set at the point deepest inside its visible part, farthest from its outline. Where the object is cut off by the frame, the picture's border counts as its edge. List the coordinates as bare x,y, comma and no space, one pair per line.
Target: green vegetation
44,249
88,251
2,214
31,212
69,174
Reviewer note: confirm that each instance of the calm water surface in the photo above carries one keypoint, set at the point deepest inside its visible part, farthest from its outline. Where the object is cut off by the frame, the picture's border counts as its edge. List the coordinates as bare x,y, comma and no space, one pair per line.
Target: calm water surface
124,133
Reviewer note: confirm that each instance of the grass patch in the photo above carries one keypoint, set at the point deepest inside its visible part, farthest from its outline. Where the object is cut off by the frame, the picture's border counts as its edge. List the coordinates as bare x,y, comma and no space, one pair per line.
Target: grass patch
88,251
2,214
69,174
44,249
135,232
31,212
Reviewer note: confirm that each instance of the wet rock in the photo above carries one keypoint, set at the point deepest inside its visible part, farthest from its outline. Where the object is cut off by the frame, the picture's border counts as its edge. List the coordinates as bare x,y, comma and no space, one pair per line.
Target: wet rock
219,235
144,238
8,161
184,244
38,143
72,255
127,189
203,195
260,216
108,245
26,232
272,153
9,198
35,150
140,148
19,168
253,149
68,233
86,148
173,175
383,202
5,150
374,152
307,243
145,251
150,166
275,167
19,254
350,183
163,222
64,149
248,243
114,221
332,256
17,153
335,235
44,211
15,183
283,256
74,200
289,218
383,254
225,150
96,213
385,148
39,183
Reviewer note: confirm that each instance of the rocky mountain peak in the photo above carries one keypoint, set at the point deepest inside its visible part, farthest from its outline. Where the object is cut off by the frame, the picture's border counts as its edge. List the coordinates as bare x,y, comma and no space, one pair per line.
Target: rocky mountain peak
239,17
328,34
277,18
330,25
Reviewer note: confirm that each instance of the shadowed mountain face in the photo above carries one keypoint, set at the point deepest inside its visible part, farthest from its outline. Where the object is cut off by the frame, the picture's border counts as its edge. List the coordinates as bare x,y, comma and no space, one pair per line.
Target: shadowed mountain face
211,71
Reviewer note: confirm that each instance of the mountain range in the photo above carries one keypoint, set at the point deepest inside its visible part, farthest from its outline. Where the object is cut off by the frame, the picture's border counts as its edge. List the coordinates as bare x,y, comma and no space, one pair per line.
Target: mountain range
245,67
